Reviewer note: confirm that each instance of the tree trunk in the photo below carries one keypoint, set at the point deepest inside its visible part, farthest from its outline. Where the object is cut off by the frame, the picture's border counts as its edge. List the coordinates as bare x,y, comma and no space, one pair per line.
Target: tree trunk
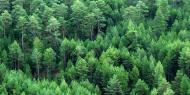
22,40
47,72
18,64
4,30
63,32
38,71
91,34
65,61
98,26
14,62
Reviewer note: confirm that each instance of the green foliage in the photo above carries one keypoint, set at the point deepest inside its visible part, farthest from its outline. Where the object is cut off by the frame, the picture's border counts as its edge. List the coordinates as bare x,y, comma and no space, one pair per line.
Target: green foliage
114,87
176,82
94,47
141,88
159,24
134,74
49,60
183,60
16,55
81,69
6,20
184,85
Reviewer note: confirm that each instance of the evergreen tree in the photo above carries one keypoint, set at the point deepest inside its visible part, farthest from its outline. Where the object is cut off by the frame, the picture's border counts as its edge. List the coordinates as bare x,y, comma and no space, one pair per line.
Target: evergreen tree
67,50
79,11
159,24
6,22
49,60
53,25
158,73
16,55
34,25
134,74
5,5
17,12
184,85
164,6
81,69
141,88
154,92
4,57
176,82
183,60
21,27
46,15
36,58
114,87
164,88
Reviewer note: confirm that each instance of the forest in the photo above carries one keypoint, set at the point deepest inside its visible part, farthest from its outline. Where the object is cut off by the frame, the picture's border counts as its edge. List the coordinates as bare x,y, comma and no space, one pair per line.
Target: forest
94,47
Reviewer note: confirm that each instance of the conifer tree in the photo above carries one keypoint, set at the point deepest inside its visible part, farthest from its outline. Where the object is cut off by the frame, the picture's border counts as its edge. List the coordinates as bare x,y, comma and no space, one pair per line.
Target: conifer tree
49,60
159,24
184,85
114,87
16,55
6,20
141,88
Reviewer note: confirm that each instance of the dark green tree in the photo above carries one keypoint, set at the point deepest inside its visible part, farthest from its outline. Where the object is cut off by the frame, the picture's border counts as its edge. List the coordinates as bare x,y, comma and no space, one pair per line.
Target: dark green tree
5,5
134,75
177,81
34,25
159,24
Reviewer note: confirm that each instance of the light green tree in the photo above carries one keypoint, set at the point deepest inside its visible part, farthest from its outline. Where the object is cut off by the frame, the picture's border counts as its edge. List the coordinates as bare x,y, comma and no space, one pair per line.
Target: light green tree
49,60
6,20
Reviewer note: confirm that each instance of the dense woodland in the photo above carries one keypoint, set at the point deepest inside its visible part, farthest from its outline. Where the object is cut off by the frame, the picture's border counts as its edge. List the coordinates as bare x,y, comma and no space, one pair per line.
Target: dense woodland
94,47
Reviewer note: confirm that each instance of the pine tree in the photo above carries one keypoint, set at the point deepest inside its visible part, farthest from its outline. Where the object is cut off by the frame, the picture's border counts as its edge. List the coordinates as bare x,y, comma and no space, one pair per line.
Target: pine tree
46,15
16,55
36,58
34,25
4,57
184,85
184,63
164,6
6,22
114,87
67,50
159,24
177,81
164,87
4,5
53,25
49,60
154,91
17,12
79,11
37,43
141,88
81,69
134,74
22,26
158,73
